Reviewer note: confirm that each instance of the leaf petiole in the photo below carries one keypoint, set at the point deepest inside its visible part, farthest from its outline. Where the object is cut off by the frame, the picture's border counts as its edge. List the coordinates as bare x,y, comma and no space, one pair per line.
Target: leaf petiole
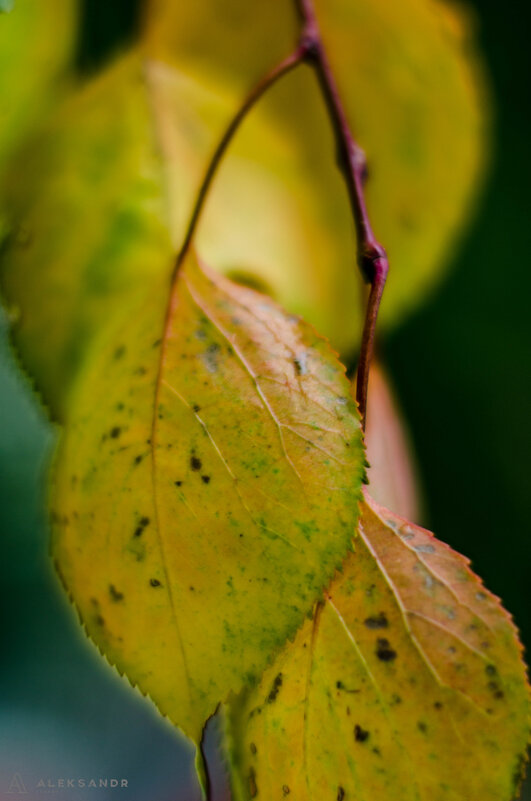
281,69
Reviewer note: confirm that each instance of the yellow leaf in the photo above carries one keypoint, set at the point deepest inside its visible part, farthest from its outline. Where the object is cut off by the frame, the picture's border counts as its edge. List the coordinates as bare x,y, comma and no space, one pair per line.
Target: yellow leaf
407,684
205,489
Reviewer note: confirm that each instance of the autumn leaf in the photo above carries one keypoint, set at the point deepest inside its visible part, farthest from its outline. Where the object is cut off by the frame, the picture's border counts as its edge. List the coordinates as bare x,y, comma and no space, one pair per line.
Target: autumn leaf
407,684
205,489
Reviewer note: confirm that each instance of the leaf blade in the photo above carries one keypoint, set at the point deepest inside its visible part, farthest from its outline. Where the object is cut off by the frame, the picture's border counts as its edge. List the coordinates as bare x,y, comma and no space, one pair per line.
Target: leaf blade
376,705
212,497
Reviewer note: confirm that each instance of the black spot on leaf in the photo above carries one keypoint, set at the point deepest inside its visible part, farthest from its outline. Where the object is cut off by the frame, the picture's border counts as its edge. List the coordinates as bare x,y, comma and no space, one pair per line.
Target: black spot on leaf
277,684
115,595
384,650
377,621
360,735
155,582
341,686
142,523
205,479
195,463
494,687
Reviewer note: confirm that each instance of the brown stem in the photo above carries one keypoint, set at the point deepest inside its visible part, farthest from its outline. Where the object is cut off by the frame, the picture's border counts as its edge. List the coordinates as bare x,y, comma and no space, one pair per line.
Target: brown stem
372,258
285,66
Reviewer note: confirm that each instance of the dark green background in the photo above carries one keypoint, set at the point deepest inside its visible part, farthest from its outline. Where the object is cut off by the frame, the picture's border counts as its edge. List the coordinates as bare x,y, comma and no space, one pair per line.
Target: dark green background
461,366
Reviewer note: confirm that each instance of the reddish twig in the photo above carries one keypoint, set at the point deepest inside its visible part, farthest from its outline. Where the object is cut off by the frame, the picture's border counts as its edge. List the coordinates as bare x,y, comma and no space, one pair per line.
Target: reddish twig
372,258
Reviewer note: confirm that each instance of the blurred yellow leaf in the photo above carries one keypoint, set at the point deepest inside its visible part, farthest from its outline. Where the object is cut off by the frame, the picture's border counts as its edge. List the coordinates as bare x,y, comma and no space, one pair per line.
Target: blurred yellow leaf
205,488
407,684
88,204
414,93
36,42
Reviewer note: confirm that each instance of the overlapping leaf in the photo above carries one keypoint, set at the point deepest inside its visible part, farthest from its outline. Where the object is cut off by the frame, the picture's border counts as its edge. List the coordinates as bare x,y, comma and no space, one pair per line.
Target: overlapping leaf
89,195
407,684
206,489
